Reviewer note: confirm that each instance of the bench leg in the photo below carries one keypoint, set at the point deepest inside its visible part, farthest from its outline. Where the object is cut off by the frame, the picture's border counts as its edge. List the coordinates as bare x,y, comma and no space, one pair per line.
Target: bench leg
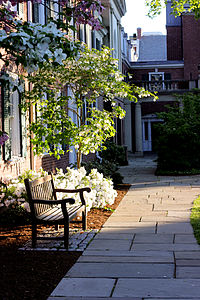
66,235
34,235
84,219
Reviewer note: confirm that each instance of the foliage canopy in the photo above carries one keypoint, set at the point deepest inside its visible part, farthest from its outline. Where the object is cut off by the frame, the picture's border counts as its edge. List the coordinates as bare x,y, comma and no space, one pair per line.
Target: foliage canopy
178,7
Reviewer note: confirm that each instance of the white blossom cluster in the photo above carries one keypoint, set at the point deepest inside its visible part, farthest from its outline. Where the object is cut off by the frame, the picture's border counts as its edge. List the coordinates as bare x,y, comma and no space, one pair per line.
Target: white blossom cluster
102,191
38,43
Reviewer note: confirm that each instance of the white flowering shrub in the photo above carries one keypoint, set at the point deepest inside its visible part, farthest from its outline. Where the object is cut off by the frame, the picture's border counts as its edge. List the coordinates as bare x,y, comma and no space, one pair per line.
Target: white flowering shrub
102,193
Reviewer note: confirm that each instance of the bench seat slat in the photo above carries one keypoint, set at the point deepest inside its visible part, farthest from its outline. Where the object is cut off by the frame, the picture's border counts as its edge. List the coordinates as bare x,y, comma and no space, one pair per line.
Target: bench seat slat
55,213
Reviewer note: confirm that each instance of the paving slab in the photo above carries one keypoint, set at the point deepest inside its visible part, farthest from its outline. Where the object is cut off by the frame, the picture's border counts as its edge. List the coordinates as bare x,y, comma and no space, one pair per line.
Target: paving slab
121,270
158,288
182,207
187,255
133,213
165,247
154,238
151,218
92,298
114,236
84,287
188,272
110,245
127,229
156,254
138,207
188,263
122,221
174,213
128,259
184,239
188,298
178,227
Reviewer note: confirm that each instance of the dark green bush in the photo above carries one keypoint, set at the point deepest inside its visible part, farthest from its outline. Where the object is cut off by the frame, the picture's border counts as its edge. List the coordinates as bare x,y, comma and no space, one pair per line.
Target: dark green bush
114,153
178,137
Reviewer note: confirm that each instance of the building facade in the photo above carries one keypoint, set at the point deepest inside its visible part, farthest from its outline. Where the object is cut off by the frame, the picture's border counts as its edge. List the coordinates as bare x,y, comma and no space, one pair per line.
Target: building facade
17,155
167,65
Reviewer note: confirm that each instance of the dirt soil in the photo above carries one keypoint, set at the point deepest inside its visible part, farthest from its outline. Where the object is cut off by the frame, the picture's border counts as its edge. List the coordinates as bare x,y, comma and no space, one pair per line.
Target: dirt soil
33,275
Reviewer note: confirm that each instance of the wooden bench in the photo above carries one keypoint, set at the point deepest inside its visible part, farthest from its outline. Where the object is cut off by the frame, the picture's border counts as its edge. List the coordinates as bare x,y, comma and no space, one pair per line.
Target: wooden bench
47,209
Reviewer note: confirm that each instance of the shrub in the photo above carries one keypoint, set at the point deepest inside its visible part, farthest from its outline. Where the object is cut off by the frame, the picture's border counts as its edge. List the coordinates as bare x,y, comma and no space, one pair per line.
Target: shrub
107,168
114,153
13,197
178,139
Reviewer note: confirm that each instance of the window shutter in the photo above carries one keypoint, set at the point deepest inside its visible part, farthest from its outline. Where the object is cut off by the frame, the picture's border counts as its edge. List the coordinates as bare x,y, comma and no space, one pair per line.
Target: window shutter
167,76
145,77
6,122
35,12
23,134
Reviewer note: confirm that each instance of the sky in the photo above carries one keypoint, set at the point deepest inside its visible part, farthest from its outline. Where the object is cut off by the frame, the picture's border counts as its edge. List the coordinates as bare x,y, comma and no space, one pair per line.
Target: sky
136,17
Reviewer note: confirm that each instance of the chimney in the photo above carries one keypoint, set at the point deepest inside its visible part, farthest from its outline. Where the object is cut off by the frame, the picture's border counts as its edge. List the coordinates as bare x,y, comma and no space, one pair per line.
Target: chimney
139,33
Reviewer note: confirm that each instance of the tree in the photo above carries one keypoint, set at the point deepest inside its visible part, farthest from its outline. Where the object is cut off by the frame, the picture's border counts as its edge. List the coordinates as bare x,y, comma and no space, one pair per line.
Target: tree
90,75
178,7
25,46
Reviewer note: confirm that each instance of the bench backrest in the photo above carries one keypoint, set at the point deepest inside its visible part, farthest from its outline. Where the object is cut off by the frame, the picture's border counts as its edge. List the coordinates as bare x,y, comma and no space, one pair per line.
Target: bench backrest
43,189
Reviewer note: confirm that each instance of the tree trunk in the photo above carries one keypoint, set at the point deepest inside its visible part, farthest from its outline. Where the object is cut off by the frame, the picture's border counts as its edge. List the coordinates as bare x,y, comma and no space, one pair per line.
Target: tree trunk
79,157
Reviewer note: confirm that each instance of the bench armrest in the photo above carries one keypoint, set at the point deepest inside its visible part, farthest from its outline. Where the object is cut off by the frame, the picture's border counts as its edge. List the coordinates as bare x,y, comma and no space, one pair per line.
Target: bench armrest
62,201
87,189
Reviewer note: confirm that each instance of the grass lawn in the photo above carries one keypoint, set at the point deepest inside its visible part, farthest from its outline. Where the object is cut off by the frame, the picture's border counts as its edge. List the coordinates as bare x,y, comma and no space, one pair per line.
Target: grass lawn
195,219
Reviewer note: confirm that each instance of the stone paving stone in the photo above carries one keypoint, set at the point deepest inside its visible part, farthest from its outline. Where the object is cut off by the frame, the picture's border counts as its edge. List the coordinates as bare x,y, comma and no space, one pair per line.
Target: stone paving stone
182,207
127,259
188,298
178,227
121,230
154,238
158,288
179,213
113,236
156,254
93,298
180,201
110,245
184,239
128,212
164,219
124,221
84,287
188,263
187,255
121,270
165,247
188,272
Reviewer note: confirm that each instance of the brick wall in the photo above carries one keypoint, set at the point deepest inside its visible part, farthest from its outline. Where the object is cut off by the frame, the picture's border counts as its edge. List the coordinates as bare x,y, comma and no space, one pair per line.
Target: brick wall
191,46
155,107
174,43
177,73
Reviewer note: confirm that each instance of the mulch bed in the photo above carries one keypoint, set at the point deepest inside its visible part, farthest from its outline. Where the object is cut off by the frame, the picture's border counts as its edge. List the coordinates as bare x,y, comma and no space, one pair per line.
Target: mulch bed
33,275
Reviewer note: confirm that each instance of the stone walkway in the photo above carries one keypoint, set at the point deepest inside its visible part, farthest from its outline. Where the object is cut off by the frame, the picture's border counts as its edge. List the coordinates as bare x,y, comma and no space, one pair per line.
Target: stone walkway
146,249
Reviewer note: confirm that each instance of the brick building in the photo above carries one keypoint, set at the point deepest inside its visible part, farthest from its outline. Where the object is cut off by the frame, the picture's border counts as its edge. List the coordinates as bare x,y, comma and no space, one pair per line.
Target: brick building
166,64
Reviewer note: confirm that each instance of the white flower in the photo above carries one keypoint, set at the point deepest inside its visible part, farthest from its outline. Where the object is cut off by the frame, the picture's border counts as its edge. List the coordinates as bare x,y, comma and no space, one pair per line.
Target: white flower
59,56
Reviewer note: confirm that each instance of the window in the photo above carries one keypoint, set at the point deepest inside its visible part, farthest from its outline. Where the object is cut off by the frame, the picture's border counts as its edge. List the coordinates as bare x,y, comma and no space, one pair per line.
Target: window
14,123
156,81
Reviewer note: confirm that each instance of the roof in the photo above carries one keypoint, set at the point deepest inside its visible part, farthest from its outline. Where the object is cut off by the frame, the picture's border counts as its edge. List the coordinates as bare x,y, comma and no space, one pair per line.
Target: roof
160,64
153,48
